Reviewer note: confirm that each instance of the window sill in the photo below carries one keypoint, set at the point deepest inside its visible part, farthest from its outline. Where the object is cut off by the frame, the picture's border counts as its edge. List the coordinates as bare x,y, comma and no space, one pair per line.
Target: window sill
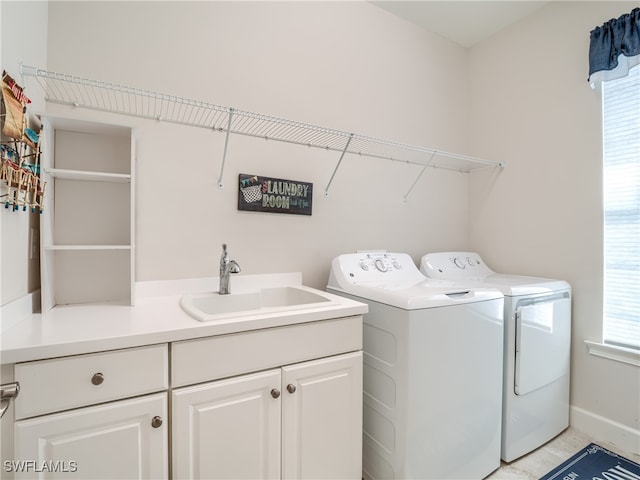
619,354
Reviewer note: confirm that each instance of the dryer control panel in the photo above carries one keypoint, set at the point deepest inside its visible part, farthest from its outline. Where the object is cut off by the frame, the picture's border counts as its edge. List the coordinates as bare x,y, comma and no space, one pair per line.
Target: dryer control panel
393,270
454,265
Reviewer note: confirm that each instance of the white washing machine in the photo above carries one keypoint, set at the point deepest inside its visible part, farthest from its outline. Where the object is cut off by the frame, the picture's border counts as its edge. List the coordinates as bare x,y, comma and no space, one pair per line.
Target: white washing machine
432,369
537,343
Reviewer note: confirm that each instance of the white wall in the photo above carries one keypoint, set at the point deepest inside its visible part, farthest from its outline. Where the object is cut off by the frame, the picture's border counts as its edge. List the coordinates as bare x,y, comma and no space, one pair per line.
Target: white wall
24,37
344,65
532,106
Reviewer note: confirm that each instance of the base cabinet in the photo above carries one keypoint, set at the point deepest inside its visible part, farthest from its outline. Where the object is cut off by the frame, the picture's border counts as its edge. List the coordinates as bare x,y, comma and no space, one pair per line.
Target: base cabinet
272,403
298,421
126,439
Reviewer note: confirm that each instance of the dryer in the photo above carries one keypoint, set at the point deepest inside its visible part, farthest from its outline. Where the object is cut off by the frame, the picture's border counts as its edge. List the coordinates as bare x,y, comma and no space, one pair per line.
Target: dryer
537,343
432,369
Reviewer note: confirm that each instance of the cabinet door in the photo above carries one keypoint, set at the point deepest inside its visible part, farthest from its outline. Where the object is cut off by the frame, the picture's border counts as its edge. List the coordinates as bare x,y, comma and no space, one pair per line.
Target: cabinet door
228,429
322,418
114,440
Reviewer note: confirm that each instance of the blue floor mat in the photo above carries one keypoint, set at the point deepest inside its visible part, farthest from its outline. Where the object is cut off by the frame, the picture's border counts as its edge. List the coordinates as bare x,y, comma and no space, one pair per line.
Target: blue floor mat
595,463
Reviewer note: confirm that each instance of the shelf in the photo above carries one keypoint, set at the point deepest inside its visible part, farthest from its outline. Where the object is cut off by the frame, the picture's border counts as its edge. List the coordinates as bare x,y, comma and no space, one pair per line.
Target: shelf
89,176
108,97
86,247
88,227
88,276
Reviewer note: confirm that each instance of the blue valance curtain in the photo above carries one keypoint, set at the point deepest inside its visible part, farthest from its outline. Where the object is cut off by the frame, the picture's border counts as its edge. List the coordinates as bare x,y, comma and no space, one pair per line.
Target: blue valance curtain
614,48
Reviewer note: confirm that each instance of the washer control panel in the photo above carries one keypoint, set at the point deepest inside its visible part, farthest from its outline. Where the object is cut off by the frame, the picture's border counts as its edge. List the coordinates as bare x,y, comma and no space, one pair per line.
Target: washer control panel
380,262
378,267
454,265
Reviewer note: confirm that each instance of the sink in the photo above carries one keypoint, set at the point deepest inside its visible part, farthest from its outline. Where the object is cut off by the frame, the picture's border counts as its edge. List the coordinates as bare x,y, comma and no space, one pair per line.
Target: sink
208,307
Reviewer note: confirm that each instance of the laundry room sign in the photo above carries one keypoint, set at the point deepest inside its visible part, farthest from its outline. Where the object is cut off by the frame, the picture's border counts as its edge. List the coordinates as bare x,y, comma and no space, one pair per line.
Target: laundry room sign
275,195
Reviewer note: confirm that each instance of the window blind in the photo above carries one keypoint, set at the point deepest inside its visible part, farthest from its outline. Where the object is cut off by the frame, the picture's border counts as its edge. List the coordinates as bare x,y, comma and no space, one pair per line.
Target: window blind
621,129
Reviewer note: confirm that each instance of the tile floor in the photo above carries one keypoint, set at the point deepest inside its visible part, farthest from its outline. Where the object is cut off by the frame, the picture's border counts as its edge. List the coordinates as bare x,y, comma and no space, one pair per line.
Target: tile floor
546,458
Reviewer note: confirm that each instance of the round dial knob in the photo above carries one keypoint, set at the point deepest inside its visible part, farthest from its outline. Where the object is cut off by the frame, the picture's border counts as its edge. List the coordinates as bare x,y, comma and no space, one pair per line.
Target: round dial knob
397,264
458,262
363,265
380,265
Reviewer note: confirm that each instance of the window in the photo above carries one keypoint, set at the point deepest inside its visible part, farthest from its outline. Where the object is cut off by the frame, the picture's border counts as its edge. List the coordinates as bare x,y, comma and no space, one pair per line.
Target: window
621,127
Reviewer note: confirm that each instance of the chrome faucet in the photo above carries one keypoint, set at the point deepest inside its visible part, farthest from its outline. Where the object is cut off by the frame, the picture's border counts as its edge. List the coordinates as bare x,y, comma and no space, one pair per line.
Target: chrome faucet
227,267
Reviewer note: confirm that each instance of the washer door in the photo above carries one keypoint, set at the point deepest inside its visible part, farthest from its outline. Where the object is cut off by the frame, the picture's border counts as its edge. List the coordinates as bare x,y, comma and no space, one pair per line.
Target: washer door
543,339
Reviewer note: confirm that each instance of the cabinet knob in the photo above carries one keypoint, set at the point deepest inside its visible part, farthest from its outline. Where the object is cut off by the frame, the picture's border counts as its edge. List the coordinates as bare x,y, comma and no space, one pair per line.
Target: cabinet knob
275,393
156,421
291,388
97,378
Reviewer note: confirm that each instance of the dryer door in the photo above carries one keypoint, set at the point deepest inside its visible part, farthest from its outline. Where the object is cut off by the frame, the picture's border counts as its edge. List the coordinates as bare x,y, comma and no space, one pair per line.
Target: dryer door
543,339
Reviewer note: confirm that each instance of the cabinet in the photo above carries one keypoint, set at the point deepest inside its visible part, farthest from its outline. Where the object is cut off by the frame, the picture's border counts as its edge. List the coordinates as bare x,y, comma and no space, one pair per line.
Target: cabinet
298,421
104,416
88,224
281,402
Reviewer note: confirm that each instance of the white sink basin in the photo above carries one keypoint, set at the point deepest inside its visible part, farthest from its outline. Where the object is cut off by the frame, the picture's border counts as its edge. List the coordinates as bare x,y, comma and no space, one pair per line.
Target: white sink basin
208,307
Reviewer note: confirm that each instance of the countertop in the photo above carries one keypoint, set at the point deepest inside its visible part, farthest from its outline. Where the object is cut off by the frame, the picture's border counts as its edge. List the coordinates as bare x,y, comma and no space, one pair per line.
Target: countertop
156,317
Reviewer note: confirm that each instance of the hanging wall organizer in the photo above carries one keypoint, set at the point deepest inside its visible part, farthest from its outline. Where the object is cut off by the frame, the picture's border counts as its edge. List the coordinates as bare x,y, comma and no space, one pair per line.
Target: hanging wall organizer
19,152
108,97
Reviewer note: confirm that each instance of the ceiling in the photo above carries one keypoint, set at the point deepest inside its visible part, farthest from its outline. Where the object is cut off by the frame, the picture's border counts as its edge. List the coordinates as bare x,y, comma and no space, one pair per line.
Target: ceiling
463,22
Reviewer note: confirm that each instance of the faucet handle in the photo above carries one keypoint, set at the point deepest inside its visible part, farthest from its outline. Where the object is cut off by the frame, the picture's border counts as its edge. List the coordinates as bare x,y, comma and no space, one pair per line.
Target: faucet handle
234,267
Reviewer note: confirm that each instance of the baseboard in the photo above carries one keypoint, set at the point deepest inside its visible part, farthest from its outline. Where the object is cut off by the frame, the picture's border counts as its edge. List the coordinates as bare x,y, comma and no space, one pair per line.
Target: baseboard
605,430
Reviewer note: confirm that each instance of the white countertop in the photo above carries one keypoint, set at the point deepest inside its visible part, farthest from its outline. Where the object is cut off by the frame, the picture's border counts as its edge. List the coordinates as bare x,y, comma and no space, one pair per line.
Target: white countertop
156,318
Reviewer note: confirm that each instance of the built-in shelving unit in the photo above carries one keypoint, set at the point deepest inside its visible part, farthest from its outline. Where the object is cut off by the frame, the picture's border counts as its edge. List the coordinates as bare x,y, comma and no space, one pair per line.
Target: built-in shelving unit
88,225
114,98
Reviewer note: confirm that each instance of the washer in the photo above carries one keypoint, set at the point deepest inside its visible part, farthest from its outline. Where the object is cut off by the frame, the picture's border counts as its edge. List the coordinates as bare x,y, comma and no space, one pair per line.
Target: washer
537,343
432,369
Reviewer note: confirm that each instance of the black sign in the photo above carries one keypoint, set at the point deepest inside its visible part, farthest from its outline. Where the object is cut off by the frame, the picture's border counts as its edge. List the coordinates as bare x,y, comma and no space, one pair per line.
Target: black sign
276,195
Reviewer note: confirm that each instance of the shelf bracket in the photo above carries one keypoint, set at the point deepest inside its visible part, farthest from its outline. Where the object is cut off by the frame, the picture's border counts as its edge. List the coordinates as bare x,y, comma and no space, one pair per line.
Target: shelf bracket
344,150
224,153
406,195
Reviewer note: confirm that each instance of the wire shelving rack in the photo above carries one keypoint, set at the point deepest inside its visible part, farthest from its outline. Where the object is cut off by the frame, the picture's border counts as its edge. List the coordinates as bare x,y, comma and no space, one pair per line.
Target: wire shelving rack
125,100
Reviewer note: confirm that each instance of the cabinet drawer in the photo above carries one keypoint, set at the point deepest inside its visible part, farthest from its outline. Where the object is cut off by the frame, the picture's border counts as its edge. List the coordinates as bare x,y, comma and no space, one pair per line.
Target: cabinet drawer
69,382
201,360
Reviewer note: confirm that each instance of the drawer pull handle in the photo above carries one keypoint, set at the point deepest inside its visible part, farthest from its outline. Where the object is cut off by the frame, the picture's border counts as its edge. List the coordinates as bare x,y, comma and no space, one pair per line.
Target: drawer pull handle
7,393
275,393
156,421
291,388
97,378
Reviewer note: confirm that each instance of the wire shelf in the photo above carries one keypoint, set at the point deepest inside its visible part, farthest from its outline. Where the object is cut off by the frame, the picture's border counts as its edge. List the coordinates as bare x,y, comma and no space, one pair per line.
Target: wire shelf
109,97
